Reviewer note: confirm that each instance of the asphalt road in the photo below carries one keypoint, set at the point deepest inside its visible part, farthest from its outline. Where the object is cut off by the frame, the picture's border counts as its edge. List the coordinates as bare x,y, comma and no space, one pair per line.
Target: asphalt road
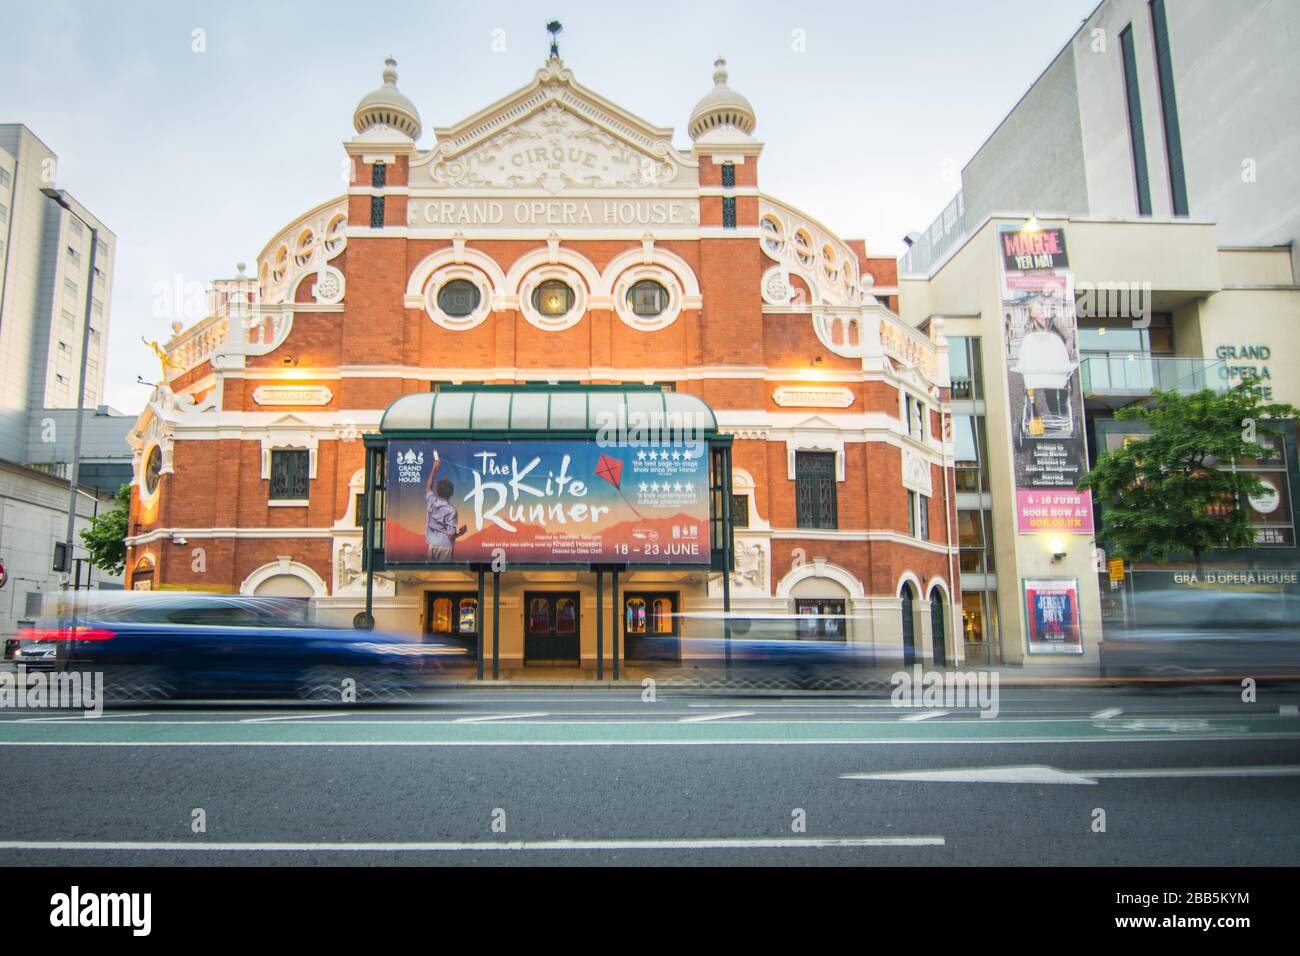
526,776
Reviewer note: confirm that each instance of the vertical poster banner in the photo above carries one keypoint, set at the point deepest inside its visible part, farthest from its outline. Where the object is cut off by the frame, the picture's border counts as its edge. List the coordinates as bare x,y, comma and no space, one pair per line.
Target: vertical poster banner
546,502
1043,387
1052,616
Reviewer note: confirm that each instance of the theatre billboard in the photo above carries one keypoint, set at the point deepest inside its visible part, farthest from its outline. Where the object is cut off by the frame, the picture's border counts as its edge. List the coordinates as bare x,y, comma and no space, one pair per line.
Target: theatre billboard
1046,397
536,502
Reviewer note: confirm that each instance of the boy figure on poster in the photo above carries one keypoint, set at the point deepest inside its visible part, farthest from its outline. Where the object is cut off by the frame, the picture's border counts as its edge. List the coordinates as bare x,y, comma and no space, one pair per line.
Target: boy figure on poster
440,531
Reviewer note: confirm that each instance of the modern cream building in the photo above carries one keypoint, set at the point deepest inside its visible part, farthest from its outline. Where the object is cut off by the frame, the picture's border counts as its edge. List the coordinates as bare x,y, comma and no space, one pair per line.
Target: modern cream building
1159,304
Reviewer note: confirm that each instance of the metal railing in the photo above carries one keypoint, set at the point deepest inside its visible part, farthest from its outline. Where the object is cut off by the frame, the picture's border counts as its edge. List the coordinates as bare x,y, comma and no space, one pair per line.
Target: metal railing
1136,373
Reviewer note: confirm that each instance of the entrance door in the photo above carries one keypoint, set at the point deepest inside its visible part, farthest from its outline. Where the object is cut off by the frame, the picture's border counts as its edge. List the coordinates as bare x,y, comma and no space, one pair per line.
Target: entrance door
909,635
937,629
451,617
551,627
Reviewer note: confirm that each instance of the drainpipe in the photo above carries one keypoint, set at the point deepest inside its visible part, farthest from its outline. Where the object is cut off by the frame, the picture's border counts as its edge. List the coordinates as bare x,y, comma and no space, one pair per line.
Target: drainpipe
947,522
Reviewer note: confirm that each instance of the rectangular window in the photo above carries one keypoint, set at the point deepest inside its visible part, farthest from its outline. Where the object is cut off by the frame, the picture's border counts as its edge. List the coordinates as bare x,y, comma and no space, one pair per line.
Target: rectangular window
1137,141
376,212
923,513
289,473
728,212
820,619
97,307
378,175
728,175
911,514
360,509
969,443
966,367
453,614
814,478
647,614
75,226
74,256
4,213
1169,109
975,539
740,511
916,413
70,288
5,179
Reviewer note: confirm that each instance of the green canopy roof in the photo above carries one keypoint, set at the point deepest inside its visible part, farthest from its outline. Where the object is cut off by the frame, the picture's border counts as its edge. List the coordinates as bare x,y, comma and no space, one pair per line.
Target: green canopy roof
514,409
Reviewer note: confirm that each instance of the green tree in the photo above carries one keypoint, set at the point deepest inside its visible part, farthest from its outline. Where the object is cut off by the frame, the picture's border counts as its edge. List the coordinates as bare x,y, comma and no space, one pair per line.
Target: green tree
1173,491
105,539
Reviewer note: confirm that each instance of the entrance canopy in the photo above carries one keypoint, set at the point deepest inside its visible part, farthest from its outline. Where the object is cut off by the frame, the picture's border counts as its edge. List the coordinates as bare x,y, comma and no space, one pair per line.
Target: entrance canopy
519,411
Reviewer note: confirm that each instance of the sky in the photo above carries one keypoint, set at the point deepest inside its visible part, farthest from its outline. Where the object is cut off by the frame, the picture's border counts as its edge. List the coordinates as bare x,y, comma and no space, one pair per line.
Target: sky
197,131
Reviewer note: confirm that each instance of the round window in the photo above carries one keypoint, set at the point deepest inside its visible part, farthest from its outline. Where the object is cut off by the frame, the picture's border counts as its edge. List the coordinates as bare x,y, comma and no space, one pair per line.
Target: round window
153,470
553,298
647,298
459,297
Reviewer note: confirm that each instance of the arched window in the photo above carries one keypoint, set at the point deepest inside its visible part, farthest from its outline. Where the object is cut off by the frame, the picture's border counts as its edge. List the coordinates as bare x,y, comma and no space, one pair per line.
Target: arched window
539,615
661,616
442,615
636,617
566,616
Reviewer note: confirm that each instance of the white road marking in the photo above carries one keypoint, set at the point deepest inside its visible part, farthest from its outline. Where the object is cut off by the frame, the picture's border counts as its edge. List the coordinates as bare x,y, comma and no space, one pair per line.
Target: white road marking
1107,714
486,717
701,718
310,716
925,715
89,716
1289,710
475,846
1038,774
976,775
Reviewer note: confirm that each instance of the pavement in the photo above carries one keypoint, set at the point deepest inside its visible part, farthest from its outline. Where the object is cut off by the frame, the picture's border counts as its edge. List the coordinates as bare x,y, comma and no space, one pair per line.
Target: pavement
1096,776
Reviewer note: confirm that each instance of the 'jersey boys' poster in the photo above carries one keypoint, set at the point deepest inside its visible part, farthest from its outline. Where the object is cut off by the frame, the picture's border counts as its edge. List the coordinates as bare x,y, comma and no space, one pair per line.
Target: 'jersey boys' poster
1052,615
546,502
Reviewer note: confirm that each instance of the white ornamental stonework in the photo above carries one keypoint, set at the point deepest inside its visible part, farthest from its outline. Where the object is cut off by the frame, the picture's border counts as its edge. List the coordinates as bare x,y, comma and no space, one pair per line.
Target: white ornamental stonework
813,396
292,395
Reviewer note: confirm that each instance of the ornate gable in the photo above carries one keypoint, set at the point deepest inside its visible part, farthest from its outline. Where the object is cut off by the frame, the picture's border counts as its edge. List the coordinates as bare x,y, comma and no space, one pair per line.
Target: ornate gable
553,135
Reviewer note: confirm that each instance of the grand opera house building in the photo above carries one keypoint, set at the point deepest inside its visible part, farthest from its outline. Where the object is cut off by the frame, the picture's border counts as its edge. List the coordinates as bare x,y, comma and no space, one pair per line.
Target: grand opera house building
540,269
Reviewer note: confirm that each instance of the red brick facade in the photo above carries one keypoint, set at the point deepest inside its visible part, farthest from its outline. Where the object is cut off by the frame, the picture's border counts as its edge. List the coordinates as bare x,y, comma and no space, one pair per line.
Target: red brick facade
813,363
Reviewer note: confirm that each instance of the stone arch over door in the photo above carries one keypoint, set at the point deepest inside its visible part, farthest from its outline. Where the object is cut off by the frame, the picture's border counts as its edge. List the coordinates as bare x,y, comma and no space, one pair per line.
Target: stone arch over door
284,577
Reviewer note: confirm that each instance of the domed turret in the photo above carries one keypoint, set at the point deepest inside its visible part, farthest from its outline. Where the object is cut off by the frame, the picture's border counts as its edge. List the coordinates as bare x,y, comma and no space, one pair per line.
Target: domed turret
387,106
723,114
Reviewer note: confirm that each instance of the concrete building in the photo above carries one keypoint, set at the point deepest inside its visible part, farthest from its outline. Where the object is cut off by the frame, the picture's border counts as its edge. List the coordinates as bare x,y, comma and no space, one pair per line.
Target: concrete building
1160,108
550,259
105,455
1210,316
45,258
33,520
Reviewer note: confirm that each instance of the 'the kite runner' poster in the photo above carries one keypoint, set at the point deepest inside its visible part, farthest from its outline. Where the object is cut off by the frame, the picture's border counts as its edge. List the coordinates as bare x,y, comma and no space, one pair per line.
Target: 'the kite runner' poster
546,502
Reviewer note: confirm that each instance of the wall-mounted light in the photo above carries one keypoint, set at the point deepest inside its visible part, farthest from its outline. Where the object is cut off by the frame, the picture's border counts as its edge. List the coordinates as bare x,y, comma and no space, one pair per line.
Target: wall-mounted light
1057,544
179,540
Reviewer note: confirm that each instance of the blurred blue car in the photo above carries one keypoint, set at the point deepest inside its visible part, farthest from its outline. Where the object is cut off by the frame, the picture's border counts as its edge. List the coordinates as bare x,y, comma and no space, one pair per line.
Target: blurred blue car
781,650
187,645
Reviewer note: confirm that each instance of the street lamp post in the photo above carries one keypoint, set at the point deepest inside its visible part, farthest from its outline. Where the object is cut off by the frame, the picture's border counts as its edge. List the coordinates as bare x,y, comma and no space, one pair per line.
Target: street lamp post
75,468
